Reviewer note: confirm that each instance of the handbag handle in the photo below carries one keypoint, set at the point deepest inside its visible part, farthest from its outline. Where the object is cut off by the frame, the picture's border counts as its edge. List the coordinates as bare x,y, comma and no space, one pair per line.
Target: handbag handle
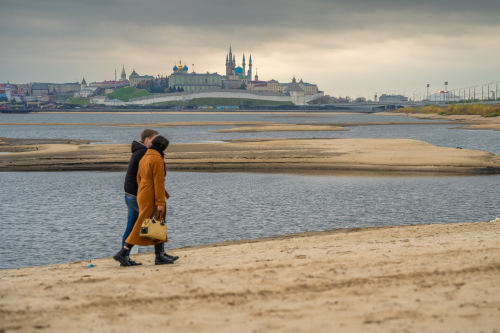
154,214
162,216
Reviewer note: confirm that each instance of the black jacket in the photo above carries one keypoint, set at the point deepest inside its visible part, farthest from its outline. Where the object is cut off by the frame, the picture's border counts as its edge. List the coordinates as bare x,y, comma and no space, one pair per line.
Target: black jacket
138,151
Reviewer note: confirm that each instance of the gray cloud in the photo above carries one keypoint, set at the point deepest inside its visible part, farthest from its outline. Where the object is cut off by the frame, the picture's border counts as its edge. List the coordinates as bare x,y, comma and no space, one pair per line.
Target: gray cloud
56,40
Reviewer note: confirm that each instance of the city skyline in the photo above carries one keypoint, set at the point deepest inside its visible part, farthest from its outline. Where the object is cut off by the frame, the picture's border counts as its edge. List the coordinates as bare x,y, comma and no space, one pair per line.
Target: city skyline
347,48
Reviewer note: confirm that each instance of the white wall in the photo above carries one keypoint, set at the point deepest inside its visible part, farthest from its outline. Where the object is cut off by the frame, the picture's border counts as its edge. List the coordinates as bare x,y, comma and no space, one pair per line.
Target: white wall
187,96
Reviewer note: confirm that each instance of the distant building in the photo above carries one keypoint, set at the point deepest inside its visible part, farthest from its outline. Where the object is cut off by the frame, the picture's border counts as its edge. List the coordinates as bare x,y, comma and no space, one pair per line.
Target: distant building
392,98
236,75
181,78
8,92
110,84
83,85
297,94
257,85
38,89
135,78
85,93
65,88
309,89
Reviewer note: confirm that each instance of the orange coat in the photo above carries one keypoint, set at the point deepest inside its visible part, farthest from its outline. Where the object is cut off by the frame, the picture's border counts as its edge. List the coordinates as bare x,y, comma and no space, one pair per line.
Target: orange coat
151,193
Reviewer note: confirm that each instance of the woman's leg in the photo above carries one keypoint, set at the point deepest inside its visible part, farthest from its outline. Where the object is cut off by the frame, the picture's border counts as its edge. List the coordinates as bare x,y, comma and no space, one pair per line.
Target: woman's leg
121,256
160,258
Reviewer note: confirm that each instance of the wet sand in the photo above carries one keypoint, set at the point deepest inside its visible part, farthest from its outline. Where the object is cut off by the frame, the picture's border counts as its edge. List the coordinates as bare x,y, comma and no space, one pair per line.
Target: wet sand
427,278
376,155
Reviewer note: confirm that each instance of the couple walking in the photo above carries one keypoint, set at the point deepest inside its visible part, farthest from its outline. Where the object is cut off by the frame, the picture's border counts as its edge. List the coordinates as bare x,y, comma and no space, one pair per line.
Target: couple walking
145,192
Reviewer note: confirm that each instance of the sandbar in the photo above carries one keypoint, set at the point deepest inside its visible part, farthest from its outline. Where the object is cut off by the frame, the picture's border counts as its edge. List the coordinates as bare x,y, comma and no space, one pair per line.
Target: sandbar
282,128
490,127
420,278
377,155
455,118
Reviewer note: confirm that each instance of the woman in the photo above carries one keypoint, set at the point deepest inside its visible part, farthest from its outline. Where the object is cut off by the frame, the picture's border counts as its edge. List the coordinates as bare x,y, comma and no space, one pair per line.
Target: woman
151,194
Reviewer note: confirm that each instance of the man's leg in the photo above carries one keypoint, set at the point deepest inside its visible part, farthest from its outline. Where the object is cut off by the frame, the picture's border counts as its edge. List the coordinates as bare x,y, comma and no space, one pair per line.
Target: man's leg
132,215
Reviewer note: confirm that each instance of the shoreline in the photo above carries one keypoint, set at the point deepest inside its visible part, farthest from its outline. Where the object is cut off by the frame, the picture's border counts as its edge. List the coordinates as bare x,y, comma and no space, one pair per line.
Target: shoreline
373,155
391,278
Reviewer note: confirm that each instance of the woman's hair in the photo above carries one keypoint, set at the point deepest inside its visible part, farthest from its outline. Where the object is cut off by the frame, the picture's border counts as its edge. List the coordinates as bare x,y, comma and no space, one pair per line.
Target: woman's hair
161,142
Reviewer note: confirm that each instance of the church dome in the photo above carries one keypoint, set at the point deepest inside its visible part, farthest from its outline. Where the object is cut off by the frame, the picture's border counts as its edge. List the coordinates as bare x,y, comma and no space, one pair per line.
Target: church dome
175,68
185,68
180,65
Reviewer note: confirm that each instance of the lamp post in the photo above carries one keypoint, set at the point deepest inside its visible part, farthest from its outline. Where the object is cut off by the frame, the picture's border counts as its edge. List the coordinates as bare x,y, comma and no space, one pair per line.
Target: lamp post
496,95
482,92
427,90
475,92
489,89
445,89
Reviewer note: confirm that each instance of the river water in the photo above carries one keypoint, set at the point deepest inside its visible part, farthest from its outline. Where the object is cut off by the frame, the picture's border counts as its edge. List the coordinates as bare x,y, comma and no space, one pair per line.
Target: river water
59,217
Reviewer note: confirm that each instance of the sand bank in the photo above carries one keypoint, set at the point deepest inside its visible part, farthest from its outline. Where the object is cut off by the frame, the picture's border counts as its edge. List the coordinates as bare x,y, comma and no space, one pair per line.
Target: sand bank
490,127
427,278
282,128
464,119
260,154
279,127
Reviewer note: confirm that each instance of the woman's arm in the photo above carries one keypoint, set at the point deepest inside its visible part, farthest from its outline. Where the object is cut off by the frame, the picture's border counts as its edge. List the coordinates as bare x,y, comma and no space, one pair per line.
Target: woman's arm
159,182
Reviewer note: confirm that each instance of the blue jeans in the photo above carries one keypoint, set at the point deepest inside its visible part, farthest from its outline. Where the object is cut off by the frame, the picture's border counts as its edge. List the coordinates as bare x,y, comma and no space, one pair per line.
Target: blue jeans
132,216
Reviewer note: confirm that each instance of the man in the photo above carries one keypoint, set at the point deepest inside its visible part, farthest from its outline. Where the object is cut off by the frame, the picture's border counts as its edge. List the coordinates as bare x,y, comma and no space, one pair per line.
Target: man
131,186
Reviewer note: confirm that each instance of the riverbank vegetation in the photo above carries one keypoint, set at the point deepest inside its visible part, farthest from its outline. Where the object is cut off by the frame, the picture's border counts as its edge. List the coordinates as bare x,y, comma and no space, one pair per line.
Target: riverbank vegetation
125,94
490,110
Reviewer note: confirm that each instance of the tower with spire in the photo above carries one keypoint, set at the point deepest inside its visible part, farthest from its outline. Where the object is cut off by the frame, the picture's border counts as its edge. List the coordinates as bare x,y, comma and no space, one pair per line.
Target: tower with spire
244,64
83,84
250,67
230,63
123,76
8,93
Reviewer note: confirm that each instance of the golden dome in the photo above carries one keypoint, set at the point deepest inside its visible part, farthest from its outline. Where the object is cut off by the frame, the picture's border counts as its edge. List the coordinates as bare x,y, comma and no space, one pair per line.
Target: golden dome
180,65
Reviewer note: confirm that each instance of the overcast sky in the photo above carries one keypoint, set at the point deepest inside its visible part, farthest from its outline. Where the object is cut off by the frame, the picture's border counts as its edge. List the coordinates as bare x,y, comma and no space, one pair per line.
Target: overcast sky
347,47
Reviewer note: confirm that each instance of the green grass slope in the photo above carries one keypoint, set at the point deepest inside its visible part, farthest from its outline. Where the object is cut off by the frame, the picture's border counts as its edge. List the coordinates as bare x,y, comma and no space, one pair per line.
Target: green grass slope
81,101
125,94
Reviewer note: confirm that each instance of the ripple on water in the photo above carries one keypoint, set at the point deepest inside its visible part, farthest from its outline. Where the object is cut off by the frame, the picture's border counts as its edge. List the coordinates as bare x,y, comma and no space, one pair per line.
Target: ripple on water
69,216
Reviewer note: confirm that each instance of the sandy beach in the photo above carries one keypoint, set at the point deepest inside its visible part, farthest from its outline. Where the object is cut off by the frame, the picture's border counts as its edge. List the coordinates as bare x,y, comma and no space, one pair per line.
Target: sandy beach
426,278
394,155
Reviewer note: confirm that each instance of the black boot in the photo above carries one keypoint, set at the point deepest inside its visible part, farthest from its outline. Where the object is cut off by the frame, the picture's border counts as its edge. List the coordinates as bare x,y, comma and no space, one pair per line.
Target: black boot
174,258
131,262
160,258
121,257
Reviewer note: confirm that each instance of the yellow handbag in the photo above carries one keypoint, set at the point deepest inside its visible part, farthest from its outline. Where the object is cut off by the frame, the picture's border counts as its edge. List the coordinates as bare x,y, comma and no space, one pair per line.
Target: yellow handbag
153,228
